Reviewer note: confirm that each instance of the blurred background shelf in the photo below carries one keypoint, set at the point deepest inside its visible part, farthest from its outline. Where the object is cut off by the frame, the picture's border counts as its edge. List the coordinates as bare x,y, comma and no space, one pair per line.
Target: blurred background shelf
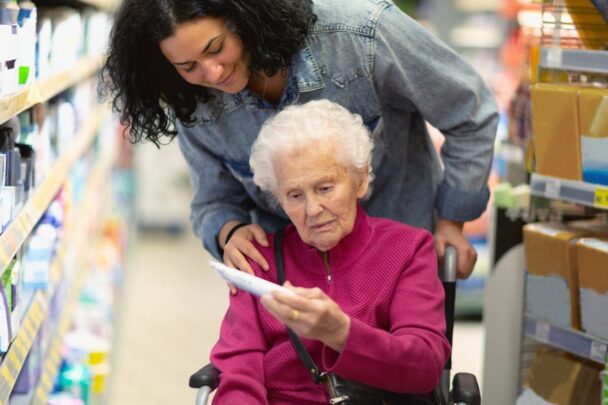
569,340
588,194
42,90
21,226
580,60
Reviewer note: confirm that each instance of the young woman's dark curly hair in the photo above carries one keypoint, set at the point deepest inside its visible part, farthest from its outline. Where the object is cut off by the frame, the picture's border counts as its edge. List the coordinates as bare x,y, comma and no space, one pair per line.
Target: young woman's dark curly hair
142,83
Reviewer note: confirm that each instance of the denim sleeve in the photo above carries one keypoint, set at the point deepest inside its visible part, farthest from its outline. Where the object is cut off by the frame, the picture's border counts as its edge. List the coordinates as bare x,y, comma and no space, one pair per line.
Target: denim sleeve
217,196
411,67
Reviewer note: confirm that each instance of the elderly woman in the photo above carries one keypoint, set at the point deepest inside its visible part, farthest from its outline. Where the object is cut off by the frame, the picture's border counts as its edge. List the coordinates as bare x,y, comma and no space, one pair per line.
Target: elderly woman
368,303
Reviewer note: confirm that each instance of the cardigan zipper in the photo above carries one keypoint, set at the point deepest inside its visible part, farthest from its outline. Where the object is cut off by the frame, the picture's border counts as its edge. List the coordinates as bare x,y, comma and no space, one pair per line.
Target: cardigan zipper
325,256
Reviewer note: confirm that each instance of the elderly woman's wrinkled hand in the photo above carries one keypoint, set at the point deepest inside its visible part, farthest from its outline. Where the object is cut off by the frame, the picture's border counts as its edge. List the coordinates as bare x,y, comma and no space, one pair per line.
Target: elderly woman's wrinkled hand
311,314
240,246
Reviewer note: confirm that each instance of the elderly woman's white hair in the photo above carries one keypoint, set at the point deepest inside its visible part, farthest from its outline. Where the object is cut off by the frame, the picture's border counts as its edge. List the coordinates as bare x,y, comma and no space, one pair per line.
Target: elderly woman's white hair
299,126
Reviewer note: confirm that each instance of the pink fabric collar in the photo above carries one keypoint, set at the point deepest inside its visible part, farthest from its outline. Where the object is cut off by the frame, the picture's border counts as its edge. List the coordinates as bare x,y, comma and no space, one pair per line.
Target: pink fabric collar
341,256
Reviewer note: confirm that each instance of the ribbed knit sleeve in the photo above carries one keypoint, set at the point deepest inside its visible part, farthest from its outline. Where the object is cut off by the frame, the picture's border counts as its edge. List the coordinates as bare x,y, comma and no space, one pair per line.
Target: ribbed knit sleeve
239,354
409,357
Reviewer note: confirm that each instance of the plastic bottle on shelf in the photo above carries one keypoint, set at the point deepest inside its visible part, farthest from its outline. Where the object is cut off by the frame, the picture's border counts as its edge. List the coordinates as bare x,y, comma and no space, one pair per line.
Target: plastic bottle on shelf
27,42
9,14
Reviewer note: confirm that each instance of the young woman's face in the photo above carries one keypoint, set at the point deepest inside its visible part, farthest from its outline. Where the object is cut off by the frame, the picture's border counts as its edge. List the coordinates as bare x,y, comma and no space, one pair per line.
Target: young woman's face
205,53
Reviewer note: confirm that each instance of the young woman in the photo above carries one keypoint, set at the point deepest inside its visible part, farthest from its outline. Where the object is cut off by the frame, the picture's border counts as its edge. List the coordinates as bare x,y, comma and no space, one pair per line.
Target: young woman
211,72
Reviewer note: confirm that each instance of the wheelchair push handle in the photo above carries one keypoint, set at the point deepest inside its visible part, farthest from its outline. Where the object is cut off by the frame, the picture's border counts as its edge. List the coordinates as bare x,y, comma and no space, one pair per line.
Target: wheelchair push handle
450,264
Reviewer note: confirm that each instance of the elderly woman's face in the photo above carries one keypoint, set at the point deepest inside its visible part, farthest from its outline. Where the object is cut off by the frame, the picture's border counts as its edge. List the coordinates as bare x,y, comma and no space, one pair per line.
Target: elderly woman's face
319,195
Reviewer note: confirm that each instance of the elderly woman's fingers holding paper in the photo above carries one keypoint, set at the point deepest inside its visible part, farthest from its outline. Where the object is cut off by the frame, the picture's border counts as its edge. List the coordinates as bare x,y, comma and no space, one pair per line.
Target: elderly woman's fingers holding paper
311,314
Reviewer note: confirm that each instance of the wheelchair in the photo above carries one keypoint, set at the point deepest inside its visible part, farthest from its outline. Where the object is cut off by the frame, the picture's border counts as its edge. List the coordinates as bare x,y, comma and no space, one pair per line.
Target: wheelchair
465,390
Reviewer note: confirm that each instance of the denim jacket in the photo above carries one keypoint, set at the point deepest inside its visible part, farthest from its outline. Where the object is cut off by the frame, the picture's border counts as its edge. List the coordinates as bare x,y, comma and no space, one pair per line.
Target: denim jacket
376,61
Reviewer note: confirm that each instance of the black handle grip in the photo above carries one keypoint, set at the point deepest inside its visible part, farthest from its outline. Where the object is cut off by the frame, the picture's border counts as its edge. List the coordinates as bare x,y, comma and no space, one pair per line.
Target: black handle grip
206,376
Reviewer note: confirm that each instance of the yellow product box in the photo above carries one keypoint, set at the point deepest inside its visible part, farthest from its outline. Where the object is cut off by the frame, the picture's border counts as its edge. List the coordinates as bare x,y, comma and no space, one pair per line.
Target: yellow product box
557,147
592,256
552,283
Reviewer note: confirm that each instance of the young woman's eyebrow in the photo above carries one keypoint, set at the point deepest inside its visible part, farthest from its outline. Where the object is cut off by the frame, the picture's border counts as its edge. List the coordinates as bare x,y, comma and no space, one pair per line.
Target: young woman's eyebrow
211,42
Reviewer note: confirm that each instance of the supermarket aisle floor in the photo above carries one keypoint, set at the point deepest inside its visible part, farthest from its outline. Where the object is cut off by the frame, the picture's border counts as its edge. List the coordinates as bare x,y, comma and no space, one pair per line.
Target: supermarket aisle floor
169,317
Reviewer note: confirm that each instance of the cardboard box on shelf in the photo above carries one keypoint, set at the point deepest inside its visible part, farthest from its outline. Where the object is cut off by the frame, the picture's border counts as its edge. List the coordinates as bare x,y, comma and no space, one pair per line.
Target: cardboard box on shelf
594,227
563,379
552,286
557,147
593,129
592,256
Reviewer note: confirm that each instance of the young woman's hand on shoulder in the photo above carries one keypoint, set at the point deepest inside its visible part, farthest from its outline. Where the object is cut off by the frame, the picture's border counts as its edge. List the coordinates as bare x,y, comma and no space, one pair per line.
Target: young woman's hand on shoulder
239,245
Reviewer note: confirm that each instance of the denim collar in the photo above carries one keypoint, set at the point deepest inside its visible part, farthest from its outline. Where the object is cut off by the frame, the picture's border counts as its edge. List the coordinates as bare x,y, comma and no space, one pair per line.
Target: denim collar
304,76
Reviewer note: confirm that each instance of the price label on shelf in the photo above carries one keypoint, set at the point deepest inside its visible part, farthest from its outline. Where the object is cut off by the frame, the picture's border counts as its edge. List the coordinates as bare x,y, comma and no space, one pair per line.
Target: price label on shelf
554,57
598,351
542,332
600,199
552,188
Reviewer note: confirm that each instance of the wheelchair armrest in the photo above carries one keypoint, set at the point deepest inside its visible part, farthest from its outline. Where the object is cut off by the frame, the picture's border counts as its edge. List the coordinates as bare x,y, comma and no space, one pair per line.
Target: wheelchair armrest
465,389
206,376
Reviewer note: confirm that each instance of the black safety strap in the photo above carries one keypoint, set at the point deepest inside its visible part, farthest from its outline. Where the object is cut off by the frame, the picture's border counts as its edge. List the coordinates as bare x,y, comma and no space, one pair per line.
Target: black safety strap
295,340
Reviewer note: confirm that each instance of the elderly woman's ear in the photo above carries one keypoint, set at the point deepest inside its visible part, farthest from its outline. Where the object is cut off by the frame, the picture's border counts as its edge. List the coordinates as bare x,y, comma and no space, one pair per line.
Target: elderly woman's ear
362,176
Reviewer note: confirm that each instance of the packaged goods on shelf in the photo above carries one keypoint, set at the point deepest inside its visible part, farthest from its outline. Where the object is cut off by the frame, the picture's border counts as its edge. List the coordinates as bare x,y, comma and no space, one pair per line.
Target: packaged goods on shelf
593,129
552,288
561,379
570,125
26,58
9,36
557,147
593,274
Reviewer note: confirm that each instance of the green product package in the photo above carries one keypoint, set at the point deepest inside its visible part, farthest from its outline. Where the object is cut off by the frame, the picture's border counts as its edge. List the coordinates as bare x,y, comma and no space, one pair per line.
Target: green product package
7,283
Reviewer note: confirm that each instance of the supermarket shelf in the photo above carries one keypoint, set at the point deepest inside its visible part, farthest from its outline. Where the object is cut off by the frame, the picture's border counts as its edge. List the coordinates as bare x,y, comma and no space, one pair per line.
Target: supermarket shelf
46,88
52,358
28,216
569,340
14,358
579,60
20,347
592,195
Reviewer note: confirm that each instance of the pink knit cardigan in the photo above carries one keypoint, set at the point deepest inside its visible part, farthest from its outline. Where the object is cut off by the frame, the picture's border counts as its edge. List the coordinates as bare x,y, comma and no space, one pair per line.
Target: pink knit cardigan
384,276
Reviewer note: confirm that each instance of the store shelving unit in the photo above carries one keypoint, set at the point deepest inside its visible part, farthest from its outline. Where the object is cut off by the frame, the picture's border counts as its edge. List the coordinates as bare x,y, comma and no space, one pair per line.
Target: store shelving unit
15,235
13,360
44,89
89,208
70,264
578,192
21,226
568,340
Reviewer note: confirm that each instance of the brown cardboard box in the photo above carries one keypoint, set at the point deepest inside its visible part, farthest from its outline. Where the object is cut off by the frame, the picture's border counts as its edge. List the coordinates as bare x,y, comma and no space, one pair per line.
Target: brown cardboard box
592,256
590,122
562,379
593,129
551,250
555,127
596,227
